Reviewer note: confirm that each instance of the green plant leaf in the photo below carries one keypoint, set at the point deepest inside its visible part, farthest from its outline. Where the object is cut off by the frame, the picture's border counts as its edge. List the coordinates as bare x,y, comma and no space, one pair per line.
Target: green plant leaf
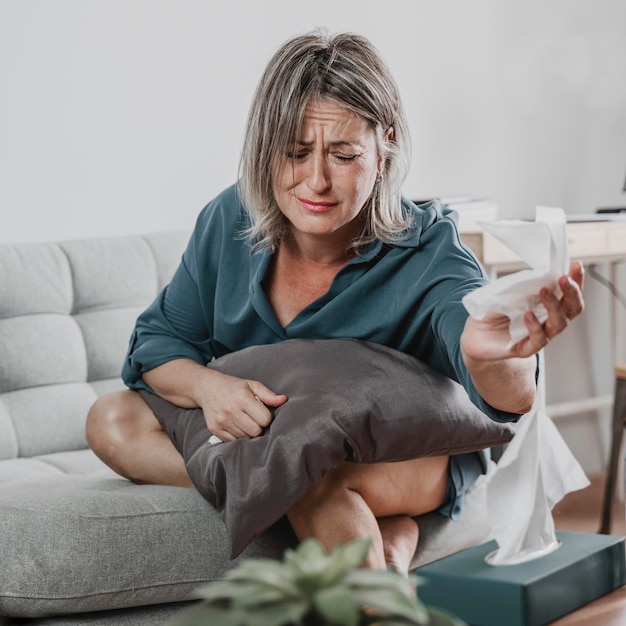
393,601
308,566
267,572
309,556
337,605
351,554
344,558
253,567
374,581
229,590
315,569
278,614
378,578
261,597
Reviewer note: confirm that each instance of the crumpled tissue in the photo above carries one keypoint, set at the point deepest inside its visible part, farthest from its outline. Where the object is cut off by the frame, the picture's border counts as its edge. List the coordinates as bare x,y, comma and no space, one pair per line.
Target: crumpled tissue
537,468
541,244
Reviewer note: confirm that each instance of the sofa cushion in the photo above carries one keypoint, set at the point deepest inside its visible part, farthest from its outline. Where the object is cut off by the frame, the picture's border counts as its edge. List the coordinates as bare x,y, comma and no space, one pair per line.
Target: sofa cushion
152,615
348,400
35,278
105,335
52,417
43,349
73,543
111,273
67,311
79,462
89,540
8,436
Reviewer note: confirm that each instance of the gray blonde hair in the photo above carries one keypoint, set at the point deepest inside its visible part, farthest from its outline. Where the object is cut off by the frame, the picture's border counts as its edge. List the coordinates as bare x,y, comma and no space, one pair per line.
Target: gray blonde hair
344,69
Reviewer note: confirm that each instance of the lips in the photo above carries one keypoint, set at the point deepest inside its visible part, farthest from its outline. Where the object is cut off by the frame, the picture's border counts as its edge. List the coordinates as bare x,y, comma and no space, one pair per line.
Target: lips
316,207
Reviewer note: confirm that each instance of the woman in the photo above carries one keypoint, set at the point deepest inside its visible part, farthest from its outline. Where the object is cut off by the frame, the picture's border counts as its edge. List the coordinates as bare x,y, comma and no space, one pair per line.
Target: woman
317,242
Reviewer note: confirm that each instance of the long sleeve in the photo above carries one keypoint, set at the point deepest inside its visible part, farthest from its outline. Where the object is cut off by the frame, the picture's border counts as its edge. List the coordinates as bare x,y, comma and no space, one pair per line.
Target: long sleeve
172,327
179,323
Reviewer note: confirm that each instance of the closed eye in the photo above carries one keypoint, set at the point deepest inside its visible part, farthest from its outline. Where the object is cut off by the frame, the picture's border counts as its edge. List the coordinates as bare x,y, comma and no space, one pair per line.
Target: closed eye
301,155
295,156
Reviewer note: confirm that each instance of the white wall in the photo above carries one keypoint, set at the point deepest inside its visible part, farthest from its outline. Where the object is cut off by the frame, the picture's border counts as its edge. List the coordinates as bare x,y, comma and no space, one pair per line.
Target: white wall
123,116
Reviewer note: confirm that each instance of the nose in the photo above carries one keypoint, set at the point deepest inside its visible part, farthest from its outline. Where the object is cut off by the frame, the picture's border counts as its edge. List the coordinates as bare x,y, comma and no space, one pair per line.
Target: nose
318,174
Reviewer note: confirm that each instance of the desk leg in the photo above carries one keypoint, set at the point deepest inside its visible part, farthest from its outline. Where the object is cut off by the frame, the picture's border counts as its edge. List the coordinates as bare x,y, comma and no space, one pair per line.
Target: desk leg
615,462
619,336
618,357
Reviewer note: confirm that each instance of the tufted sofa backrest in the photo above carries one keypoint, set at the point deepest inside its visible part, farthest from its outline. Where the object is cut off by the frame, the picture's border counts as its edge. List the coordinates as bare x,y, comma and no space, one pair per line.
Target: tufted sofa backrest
66,314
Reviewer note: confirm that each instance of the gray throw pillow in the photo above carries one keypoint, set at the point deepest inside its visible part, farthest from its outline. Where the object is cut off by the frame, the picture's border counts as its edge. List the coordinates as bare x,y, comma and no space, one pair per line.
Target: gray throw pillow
348,400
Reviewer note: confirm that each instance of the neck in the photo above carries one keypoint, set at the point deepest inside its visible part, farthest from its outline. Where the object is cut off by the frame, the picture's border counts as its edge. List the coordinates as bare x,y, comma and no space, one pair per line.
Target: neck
322,251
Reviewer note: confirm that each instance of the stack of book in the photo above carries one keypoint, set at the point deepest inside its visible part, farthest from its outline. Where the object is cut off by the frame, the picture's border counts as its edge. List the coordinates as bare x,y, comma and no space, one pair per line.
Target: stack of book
471,210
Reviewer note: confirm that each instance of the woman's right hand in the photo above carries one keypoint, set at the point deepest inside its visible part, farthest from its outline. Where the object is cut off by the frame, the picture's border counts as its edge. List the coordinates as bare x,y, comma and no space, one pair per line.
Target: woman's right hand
236,408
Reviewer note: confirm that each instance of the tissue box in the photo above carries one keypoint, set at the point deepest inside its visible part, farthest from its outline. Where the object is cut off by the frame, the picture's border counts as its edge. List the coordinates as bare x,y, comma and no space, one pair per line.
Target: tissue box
583,568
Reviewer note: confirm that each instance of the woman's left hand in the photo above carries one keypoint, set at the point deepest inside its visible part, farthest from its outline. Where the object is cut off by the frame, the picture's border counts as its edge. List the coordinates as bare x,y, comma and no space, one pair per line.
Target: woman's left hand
487,339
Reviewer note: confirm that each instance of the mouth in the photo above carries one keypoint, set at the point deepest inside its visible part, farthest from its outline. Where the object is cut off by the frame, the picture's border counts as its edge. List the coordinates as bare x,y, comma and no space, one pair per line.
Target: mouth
316,207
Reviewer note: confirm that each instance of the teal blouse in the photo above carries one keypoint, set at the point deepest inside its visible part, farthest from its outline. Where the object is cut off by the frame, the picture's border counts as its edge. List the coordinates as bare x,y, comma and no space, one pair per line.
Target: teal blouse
405,295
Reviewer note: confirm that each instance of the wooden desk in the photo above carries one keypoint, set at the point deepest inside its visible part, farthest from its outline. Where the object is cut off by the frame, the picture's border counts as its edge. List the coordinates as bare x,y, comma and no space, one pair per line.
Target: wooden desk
591,242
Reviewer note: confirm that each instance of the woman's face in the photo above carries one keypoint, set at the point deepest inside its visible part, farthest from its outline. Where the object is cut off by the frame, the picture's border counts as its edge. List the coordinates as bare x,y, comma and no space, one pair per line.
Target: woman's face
322,183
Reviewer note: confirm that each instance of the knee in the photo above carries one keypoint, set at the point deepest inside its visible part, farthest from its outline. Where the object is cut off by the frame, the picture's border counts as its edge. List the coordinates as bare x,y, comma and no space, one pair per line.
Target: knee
107,425
336,483
337,491
343,478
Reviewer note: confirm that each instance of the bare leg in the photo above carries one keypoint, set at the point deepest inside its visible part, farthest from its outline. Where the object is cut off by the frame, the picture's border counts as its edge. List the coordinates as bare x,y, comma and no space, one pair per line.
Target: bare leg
400,534
351,499
123,431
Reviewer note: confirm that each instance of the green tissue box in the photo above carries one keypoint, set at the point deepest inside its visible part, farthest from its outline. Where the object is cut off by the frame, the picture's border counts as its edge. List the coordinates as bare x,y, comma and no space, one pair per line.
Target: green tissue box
585,567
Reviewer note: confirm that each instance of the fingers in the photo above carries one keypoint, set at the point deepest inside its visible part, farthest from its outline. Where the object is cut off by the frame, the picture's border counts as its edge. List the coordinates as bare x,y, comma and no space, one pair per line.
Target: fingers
559,312
540,334
245,419
537,336
266,395
557,315
242,410
577,273
571,286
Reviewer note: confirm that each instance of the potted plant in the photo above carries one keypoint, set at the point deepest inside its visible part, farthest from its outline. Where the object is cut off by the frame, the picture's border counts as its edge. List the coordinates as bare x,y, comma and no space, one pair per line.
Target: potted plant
311,588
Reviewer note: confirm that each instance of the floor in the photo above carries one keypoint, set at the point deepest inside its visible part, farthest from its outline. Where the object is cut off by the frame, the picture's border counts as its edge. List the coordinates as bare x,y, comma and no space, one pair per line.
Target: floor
580,511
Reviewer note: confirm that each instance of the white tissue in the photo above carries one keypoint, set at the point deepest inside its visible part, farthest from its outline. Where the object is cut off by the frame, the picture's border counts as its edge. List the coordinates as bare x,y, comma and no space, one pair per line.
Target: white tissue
537,468
541,244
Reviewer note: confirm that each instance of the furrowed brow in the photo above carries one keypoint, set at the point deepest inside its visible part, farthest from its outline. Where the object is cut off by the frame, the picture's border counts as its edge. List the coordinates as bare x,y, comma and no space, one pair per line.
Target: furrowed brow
333,144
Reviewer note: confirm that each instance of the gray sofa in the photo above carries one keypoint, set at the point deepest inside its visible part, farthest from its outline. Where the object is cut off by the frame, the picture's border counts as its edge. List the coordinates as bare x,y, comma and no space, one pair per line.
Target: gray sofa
78,543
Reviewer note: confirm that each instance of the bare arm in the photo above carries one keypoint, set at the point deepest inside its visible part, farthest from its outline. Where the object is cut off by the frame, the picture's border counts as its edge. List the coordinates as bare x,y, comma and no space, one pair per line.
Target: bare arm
234,408
505,376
